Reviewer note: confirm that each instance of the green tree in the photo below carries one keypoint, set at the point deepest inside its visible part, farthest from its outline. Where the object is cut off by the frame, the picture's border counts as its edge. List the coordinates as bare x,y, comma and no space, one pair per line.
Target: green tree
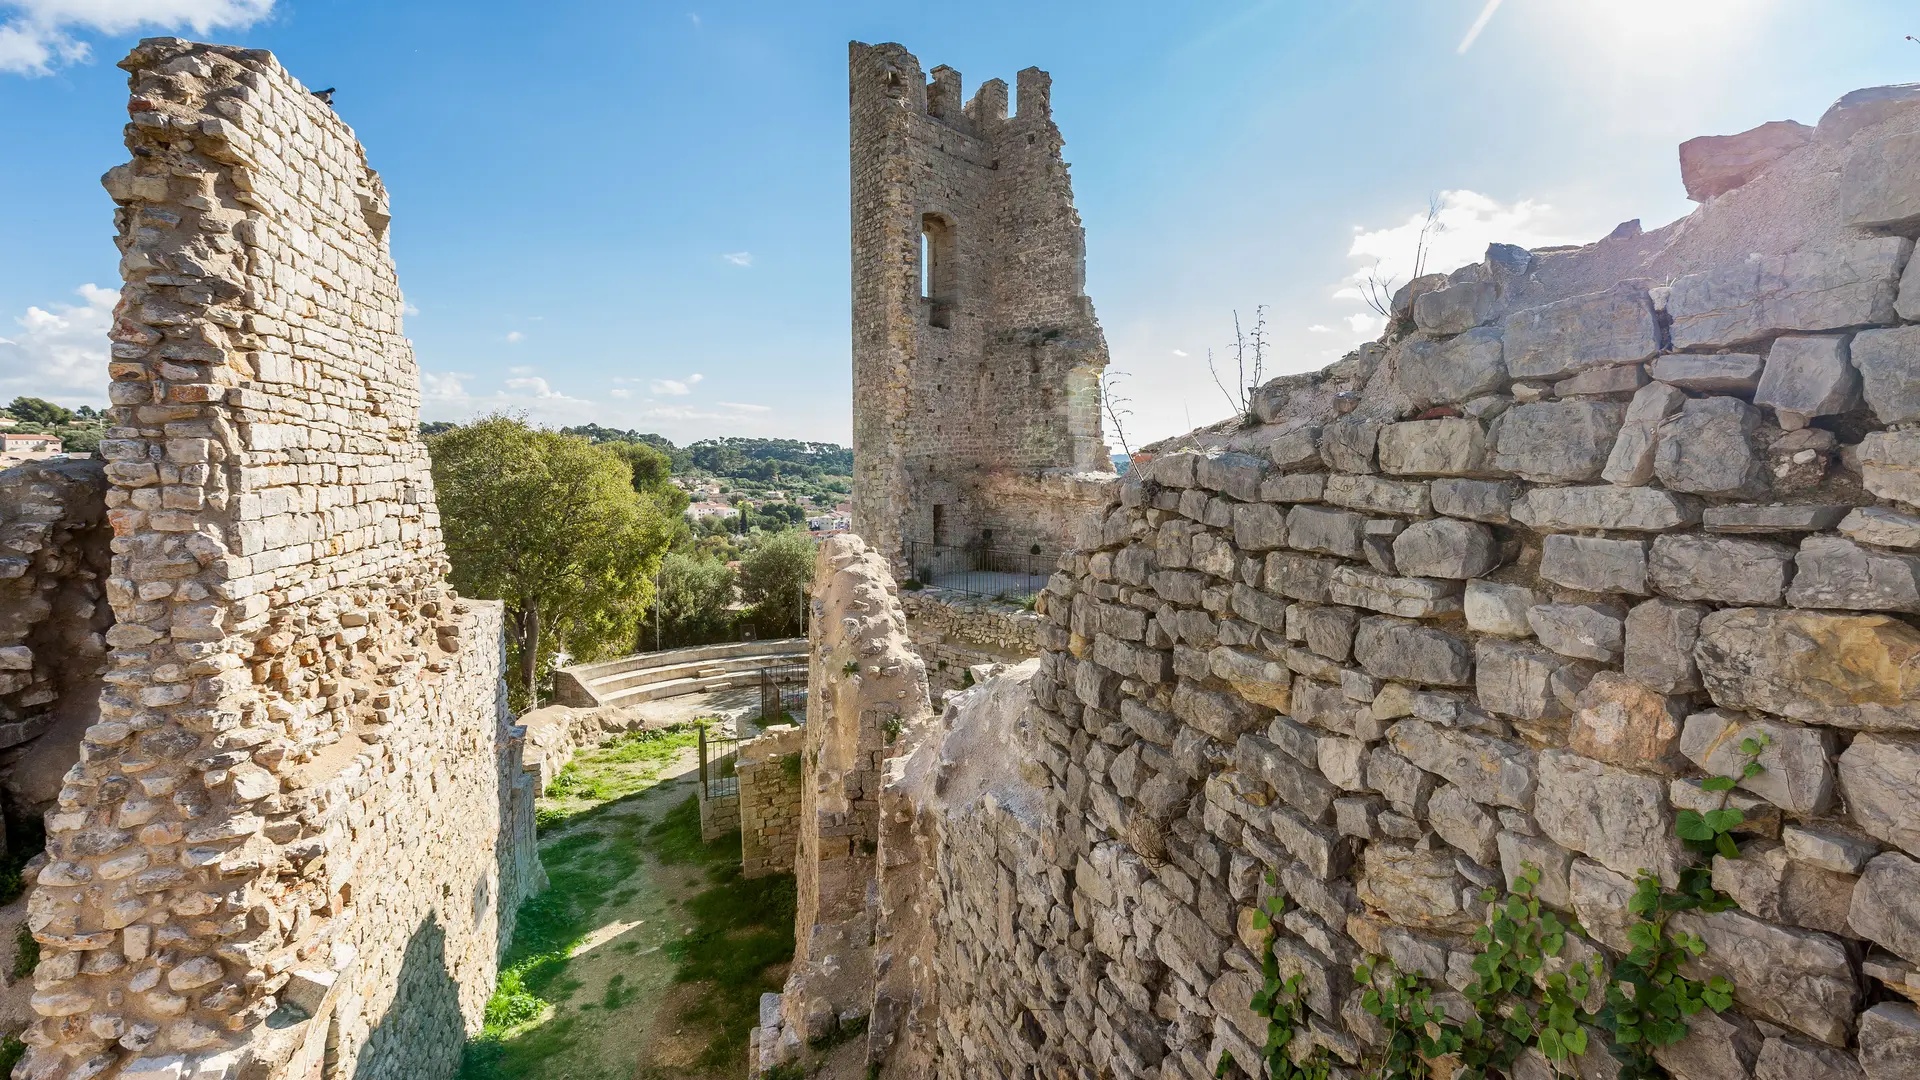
696,598
35,410
774,575
551,525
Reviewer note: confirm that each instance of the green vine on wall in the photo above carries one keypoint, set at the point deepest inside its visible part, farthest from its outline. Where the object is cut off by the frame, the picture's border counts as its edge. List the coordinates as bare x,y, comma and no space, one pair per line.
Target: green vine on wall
1282,1001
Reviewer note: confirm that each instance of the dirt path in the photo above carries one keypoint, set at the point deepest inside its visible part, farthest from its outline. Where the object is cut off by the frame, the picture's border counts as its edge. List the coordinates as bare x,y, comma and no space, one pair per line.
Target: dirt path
634,964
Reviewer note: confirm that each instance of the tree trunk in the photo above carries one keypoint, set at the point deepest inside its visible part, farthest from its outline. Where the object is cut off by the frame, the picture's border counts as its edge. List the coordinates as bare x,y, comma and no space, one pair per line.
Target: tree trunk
530,650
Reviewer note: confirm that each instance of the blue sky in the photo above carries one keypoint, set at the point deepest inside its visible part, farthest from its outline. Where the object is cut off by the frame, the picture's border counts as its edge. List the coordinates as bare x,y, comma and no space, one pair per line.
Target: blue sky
636,214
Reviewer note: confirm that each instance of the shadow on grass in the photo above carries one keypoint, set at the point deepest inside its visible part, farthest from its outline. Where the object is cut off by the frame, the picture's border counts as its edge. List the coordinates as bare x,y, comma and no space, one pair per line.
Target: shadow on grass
740,929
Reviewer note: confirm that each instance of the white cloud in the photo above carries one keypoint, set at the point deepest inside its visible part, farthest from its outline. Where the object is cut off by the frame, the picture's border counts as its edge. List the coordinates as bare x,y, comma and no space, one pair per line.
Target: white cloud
693,17
620,392
675,387
60,354
1479,24
520,369
743,407
515,337
739,258
39,36
1180,352
453,396
1366,324
409,309
1319,328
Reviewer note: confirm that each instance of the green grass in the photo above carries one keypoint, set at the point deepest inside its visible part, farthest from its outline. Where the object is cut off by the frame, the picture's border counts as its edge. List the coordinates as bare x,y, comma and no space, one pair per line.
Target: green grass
607,773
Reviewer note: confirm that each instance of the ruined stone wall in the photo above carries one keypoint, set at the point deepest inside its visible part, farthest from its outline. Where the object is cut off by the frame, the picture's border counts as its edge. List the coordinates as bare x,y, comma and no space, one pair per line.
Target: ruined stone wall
1502,589
770,801
953,633
995,369
303,800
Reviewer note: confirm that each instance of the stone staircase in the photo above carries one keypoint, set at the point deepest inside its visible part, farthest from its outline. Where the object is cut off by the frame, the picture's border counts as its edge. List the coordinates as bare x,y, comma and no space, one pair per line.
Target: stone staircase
630,680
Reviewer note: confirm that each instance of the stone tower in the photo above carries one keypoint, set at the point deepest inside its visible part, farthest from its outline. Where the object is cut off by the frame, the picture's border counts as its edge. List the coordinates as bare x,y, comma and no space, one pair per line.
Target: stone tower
976,353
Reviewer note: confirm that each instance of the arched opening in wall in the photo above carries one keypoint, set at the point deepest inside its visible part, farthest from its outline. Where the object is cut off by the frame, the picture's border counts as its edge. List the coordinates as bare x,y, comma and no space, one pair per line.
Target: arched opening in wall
937,285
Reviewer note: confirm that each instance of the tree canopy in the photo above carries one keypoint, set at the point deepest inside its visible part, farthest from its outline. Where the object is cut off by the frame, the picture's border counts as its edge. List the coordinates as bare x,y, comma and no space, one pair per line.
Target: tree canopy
35,410
773,581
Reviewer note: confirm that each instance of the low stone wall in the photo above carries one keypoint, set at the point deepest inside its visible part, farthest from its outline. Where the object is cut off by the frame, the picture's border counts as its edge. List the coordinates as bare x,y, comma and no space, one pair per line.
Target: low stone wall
953,633
769,770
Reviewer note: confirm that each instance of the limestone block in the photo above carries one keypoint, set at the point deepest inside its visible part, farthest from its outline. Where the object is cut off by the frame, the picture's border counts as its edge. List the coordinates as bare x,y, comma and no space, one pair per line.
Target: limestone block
1409,652
1809,376
1718,373
1619,721
1461,822
1620,379
1628,509
1849,283
1416,888
1600,899
1750,518
1724,570
1620,818
1261,608
1585,631
1887,361
1881,527
1828,848
1495,608
1485,769
1797,771
1716,164
1860,109
1253,676
1224,716
1476,500
1517,680
1448,446
1660,636
1593,564
1718,1046
1877,186
1630,462
1890,1041
1845,671
1334,532
1298,448
1556,442
1409,598
1890,465
1300,786
1300,577
1375,495
1446,548
1709,449
1294,487
1454,308
1233,474
1790,1059
1878,777
1343,762
1595,330
1259,527
1347,446
1834,572
1798,978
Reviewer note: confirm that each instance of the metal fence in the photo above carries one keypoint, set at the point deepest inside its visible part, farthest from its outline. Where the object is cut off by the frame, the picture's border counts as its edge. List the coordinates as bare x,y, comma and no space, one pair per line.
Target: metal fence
718,755
1000,573
783,694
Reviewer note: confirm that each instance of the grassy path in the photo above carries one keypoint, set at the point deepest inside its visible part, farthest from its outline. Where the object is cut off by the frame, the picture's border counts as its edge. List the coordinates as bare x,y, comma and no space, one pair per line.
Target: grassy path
646,957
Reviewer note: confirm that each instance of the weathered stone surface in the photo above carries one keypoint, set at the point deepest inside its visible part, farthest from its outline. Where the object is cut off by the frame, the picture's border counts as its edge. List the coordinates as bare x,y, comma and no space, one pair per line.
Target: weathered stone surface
1829,848
1451,309
1485,769
1878,778
1770,885
1587,631
1630,462
1629,509
1519,851
1611,327
1809,376
1416,888
1259,527
1335,532
1556,442
1716,164
1789,1059
1448,446
1849,671
1660,636
1347,445
1709,449
1620,818
1881,527
1409,598
1475,500
1375,495
1495,608
1453,370
1406,786
1867,107
1445,548
1887,360
1620,379
1848,283
1890,465
1877,189
1299,786
1233,474
1717,1047
1593,564
1798,978
1410,652
1517,680
1619,721
1890,1041
1461,822
1833,572
1257,678
1797,773
1717,373
1749,518
1724,570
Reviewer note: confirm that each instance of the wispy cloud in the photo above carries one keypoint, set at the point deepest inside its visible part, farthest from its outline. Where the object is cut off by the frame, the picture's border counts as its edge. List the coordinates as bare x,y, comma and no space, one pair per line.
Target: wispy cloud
743,407
739,258
1464,223
1479,24
1180,352
675,387
1319,328
39,37
59,353
693,17
515,337
454,395
620,392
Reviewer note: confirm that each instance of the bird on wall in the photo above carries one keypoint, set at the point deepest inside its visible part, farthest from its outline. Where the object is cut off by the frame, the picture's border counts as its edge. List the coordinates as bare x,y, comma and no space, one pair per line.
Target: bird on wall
325,96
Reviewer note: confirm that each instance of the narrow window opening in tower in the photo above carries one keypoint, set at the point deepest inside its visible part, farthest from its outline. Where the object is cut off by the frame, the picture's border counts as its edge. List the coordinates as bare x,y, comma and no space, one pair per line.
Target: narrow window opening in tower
939,525
937,285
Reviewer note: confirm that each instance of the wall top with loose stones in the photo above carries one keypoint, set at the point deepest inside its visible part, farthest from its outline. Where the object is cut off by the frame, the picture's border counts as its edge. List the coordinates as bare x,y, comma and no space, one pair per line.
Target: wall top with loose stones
1503,588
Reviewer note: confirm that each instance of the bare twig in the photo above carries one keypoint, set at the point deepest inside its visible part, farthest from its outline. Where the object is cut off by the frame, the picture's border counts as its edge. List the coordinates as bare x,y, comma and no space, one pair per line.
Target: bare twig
1233,402
1116,406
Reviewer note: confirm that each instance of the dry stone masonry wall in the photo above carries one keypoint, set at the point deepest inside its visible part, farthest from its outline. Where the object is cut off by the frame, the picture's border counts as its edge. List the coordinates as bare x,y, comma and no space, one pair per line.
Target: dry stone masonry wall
769,770
1501,590
297,833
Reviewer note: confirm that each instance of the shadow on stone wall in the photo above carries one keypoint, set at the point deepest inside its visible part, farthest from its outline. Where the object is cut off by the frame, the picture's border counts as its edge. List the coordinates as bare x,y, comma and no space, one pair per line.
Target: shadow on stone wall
425,1012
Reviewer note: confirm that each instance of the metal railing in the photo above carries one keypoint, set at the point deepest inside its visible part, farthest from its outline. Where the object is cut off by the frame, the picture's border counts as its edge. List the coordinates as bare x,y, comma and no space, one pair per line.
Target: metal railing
1000,573
783,694
718,755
